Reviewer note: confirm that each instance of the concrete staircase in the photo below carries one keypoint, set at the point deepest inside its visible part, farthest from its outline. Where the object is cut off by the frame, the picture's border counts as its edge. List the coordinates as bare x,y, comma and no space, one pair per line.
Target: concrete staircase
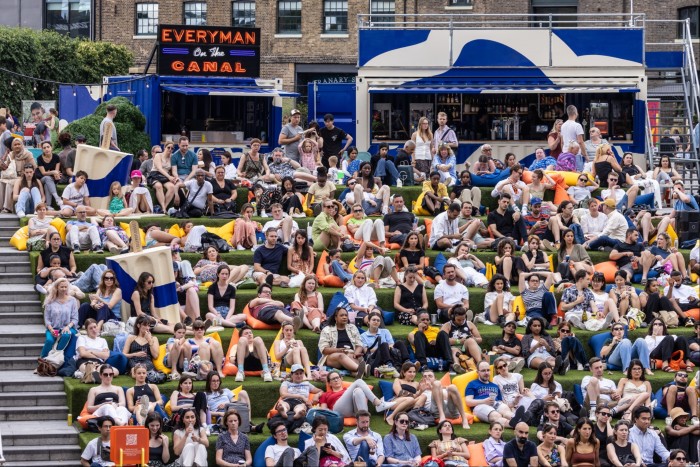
33,409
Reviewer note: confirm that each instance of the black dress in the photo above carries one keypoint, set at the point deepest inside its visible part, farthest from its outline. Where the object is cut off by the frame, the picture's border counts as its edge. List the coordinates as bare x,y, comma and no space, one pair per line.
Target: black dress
409,299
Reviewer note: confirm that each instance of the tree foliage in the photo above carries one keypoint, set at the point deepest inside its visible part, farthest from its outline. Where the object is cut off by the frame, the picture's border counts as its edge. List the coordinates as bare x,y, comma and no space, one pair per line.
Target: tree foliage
130,123
53,56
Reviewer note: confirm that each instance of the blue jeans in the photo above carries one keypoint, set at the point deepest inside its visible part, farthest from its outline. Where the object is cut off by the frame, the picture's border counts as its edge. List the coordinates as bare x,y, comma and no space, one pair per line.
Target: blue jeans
119,361
387,171
363,452
625,351
602,241
340,272
572,345
51,340
548,310
639,200
90,279
27,200
101,314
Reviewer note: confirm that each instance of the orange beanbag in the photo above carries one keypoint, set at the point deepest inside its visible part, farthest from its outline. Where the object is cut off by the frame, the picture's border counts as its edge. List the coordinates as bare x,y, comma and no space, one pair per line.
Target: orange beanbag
84,416
230,368
608,268
477,456
256,323
694,313
330,280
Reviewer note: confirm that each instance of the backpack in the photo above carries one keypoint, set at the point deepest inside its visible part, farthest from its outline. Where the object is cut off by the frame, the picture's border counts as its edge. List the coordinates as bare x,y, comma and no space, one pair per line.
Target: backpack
335,421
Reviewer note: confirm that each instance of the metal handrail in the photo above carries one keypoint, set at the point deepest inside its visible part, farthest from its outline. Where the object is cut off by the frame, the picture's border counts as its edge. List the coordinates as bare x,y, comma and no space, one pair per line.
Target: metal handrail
510,20
651,149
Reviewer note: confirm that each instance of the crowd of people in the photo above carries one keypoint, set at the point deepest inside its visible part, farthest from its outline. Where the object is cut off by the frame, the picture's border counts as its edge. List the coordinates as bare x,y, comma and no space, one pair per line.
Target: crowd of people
355,209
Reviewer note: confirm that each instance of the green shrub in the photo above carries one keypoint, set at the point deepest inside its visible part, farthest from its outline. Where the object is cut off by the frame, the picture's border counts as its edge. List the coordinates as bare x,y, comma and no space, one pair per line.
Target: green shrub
130,123
53,56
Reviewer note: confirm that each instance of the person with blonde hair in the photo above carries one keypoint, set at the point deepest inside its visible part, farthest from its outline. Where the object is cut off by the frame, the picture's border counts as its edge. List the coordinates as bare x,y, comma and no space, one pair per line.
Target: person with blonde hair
444,163
423,137
60,316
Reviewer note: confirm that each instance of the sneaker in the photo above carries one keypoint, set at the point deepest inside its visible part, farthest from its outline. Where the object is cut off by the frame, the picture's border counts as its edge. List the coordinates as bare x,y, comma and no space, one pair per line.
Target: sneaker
458,368
305,428
361,367
78,374
124,251
114,249
284,284
421,427
240,248
41,289
517,417
548,245
76,249
428,285
267,376
296,322
98,249
519,365
479,318
20,214
523,322
564,368
144,402
240,377
263,214
299,214
174,376
689,323
383,405
470,315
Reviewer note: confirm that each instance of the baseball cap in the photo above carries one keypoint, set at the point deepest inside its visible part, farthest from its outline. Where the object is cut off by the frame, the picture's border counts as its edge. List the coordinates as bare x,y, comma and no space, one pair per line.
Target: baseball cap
80,138
295,112
328,117
535,200
610,203
136,173
297,367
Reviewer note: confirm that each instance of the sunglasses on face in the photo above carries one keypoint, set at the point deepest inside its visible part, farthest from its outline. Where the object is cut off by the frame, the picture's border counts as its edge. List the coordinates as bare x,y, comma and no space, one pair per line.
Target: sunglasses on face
357,210
149,282
108,375
403,421
565,331
604,414
110,278
682,375
683,459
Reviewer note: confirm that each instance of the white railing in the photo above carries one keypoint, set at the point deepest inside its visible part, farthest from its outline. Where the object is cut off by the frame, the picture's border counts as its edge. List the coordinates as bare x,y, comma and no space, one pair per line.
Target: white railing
651,147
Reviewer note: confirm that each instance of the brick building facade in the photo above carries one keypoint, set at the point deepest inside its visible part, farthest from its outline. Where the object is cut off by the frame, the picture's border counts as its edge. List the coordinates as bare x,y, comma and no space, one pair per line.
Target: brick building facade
295,46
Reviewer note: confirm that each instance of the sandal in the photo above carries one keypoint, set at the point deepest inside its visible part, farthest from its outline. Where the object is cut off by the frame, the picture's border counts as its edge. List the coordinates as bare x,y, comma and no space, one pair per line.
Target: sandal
667,369
644,281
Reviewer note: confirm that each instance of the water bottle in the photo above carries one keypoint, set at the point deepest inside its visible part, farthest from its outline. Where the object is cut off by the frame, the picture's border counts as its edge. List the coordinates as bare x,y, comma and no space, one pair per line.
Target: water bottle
186,364
567,258
415,223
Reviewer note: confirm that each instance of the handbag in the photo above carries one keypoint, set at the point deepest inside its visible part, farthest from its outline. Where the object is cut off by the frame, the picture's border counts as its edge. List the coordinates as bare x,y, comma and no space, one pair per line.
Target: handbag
421,417
212,239
56,357
45,368
670,318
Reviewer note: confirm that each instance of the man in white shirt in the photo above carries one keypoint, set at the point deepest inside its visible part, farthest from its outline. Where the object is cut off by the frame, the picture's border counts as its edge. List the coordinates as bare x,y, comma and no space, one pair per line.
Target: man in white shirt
449,293
283,222
694,264
623,199
684,295
614,231
571,130
444,232
363,442
280,454
593,221
597,389
96,452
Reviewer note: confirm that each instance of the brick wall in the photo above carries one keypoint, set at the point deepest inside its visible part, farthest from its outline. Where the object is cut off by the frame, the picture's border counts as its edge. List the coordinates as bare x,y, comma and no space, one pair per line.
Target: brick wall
281,53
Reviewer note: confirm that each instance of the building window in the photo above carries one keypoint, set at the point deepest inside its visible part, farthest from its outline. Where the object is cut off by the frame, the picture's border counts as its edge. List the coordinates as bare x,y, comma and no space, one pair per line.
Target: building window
289,16
692,13
243,13
383,7
146,19
72,18
555,11
335,16
460,3
195,13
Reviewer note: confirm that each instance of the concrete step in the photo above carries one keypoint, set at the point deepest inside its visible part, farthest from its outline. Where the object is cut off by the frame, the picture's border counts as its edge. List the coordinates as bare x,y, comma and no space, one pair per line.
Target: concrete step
5,240
8,253
10,399
20,350
48,454
10,220
13,334
18,291
15,266
34,413
66,463
27,381
16,278
8,230
21,317
24,306
19,363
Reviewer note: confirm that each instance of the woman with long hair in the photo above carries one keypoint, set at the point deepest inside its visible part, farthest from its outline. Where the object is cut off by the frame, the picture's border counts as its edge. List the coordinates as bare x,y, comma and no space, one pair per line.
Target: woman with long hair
423,137
412,254
622,452
444,163
300,258
554,140
666,174
409,297
11,169
535,260
244,230
662,345
225,193
108,399
360,296
105,304
60,317
572,256
291,351
453,451
379,343
49,166
509,347
221,300
190,441
350,355
228,165
252,166
363,228
409,392
377,199
498,301
205,162
512,386
335,266
164,183
652,301
505,260
468,266
400,446
158,443
350,166
144,397
538,346
624,295
308,302
184,397
26,192
218,397
141,347
665,253
562,220
208,348
292,201
548,453
544,387
604,303
582,449
207,268
604,162
634,390
569,348
143,303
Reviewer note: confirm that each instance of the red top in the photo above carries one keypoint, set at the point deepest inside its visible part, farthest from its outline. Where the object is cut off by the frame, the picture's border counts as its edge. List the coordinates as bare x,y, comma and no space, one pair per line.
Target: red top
330,398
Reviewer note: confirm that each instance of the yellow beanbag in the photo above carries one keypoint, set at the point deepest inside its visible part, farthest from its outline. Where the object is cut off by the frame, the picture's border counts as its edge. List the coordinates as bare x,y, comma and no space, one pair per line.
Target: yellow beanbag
127,230
176,230
225,231
418,209
273,357
60,225
19,239
158,362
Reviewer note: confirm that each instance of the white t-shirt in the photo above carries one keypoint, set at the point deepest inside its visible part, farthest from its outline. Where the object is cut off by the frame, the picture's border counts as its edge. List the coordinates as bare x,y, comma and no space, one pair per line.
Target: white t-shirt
538,392
510,387
275,224
492,296
569,132
201,200
593,225
606,385
90,453
71,193
695,254
275,451
451,294
97,343
681,293
579,194
619,194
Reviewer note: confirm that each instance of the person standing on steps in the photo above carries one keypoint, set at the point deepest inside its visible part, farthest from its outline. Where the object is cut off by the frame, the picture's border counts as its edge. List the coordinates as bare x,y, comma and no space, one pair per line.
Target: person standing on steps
107,127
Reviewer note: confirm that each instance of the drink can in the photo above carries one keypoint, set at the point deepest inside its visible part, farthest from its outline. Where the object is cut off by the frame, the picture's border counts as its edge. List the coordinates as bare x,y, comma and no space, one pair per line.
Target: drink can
70,419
